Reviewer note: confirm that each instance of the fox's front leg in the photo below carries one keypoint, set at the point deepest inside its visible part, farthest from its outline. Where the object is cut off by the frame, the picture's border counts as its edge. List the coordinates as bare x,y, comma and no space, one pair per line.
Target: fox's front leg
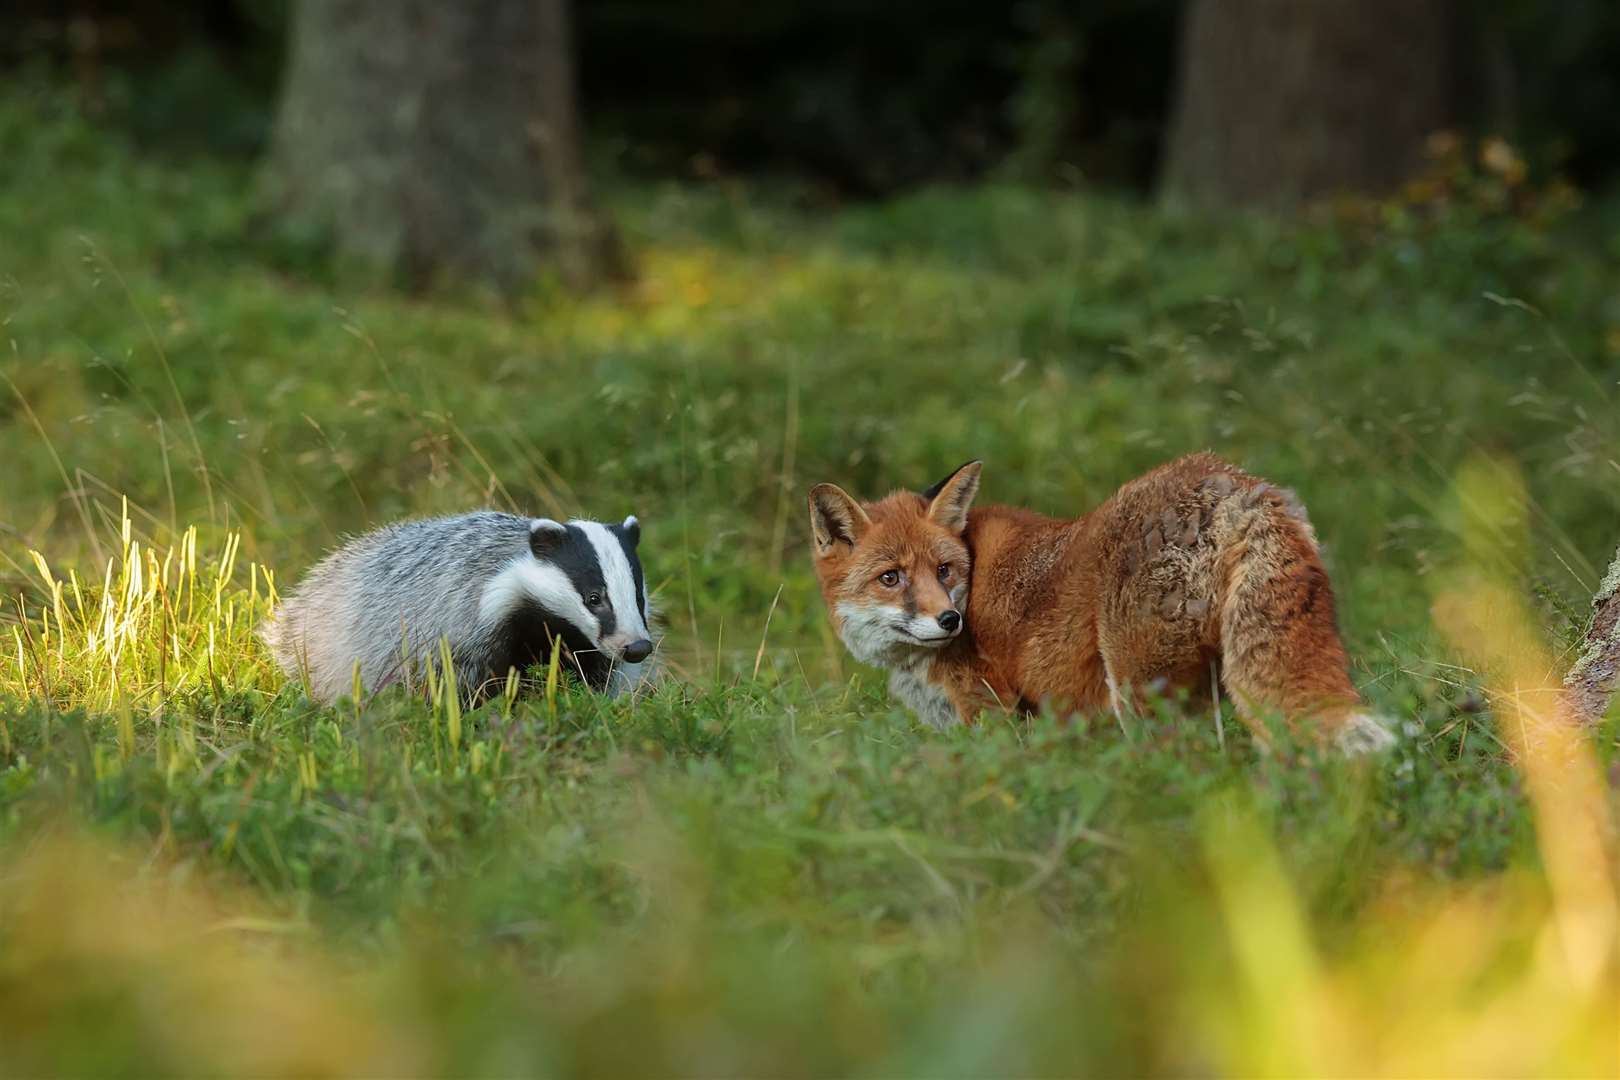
970,700
969,693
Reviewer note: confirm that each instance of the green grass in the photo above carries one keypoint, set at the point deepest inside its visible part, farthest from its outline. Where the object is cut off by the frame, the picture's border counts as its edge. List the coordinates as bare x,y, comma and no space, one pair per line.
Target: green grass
765,866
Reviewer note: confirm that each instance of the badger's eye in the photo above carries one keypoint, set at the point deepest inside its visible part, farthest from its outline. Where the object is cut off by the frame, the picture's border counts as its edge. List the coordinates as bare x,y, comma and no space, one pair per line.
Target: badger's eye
593,600
944,571
890,578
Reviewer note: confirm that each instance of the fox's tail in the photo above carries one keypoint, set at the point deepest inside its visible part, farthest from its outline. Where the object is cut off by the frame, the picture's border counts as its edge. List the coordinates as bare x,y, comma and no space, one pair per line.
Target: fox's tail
1279,639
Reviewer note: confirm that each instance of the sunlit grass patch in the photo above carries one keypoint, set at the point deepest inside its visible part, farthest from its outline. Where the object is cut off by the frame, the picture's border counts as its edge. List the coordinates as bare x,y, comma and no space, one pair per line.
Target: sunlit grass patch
152,627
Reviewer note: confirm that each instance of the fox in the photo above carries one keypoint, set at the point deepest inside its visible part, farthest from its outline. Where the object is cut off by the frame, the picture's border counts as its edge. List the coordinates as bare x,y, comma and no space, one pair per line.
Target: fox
1193,573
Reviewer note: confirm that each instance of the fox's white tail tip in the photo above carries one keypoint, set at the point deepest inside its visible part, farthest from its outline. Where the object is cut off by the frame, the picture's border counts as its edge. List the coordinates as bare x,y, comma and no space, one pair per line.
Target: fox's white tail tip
1365,733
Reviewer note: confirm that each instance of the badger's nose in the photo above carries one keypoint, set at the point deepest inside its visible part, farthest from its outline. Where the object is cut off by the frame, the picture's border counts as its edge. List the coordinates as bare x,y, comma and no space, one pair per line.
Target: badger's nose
949,620
637,651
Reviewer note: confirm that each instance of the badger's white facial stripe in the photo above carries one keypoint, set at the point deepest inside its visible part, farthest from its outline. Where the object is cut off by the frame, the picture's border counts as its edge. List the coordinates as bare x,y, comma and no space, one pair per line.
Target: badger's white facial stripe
621,582
527,578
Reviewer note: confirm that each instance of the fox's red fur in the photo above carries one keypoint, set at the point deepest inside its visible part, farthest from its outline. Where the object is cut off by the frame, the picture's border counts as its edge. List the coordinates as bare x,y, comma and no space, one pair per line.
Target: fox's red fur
1193,568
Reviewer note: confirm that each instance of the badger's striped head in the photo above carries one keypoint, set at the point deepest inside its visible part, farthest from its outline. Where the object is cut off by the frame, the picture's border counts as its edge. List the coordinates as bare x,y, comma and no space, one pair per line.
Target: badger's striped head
583,582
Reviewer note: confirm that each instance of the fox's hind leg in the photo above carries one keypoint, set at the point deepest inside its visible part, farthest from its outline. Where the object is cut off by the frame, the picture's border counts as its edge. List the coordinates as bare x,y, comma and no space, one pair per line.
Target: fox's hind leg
1278,638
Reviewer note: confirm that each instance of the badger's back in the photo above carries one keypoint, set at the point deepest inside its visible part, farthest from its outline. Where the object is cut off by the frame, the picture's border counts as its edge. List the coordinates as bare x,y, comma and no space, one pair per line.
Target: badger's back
385,599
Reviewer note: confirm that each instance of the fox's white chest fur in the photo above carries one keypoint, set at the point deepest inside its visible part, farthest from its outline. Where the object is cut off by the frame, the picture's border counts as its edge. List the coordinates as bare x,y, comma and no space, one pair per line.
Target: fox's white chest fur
928,701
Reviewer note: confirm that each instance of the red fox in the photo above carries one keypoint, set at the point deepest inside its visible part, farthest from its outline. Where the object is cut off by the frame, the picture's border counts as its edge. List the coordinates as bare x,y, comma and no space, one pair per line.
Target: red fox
1195,566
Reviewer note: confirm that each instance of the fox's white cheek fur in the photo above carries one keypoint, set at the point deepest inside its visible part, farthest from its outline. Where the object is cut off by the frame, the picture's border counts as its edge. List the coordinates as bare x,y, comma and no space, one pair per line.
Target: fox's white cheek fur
870,631
927,628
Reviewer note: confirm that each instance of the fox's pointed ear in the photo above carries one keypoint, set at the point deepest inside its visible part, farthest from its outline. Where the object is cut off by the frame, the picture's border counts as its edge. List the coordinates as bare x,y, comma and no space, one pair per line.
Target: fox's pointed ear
835,518
952,497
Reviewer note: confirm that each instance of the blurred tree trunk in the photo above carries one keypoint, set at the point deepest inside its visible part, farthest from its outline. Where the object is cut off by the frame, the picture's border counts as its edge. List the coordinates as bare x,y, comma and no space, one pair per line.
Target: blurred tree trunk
1281,101
1592,681
431,139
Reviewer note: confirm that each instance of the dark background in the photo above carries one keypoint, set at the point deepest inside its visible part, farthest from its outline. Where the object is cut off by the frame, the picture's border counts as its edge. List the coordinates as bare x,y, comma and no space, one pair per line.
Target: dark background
854,99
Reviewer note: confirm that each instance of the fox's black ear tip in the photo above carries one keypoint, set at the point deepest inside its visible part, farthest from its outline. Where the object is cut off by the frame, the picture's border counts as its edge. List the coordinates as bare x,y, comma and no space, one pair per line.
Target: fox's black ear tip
933,490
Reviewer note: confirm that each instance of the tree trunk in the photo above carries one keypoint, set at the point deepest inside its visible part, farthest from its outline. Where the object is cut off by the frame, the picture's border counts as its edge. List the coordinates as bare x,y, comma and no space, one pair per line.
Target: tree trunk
431,140
1283,101
1592,681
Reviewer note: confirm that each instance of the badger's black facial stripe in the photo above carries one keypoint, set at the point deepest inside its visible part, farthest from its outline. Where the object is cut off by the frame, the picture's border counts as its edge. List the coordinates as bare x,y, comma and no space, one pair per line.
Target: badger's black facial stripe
628,539
577,559
528,633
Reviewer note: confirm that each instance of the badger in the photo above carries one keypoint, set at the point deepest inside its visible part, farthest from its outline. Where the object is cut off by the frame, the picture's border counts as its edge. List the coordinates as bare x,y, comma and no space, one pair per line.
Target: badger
500,588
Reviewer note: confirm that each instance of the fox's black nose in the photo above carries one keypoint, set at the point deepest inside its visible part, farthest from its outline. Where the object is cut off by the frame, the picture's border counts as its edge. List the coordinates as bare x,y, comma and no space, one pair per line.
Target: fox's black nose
637,651
949,620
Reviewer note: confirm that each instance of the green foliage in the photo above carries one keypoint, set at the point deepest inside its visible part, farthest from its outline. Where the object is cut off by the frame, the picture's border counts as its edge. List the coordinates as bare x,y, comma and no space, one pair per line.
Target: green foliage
765,866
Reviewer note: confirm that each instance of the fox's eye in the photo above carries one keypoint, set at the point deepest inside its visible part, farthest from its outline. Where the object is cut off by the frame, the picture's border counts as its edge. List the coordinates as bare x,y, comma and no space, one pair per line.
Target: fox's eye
944,570
891,578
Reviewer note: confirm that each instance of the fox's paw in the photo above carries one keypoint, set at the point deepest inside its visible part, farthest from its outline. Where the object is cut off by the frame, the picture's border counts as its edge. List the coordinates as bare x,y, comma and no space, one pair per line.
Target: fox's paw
1364,733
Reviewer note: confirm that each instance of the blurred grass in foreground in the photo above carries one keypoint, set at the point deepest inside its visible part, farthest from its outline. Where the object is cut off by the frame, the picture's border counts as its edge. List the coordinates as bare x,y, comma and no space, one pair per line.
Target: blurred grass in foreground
114,964
766,867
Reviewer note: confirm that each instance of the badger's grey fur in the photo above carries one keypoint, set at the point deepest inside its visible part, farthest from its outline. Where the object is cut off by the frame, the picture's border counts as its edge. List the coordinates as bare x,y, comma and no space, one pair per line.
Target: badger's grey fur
499,587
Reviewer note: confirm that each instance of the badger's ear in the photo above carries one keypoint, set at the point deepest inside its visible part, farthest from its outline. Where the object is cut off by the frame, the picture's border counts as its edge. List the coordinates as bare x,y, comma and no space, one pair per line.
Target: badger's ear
835,518
632,530
952,497
546,536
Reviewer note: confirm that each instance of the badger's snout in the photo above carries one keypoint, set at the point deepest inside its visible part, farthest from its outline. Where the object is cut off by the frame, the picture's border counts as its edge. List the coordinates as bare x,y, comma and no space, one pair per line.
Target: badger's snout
637,651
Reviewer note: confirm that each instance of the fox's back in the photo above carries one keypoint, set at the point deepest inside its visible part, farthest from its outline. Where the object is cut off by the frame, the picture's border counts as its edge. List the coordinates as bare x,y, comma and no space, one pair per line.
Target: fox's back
1063,606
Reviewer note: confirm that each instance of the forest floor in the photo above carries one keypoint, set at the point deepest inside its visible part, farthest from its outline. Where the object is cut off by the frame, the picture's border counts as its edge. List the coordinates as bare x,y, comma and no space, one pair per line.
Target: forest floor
765,866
